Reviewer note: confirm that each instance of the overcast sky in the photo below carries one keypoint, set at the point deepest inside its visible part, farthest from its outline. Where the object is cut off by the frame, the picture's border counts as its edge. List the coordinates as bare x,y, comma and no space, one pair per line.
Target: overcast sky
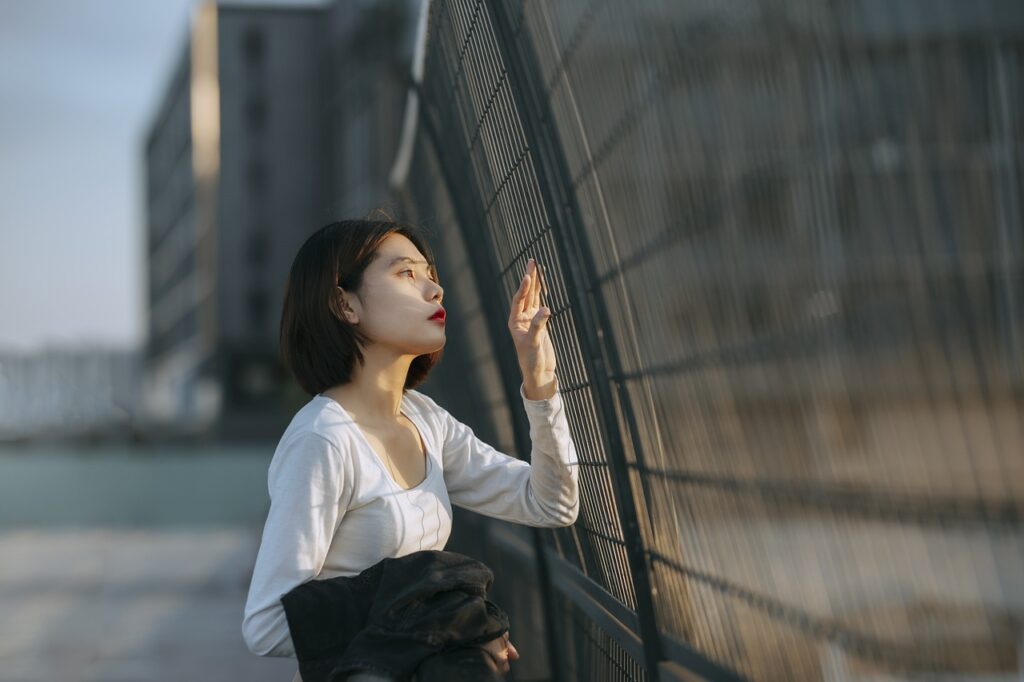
78,84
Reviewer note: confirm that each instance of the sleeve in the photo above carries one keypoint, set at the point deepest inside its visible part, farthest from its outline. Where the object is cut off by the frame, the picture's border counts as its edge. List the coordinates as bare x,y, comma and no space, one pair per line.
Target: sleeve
543,493
305,481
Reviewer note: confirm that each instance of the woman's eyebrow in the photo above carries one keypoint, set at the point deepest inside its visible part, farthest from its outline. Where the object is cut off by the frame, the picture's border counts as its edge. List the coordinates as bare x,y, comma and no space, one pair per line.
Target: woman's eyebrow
410,260
406,258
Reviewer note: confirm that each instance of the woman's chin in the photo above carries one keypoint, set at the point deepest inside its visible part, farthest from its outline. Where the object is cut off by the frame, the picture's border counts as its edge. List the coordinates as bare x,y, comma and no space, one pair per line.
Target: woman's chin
433,348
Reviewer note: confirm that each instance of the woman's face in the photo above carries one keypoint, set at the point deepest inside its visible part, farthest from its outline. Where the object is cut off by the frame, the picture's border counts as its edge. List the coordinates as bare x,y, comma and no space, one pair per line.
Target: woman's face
397,298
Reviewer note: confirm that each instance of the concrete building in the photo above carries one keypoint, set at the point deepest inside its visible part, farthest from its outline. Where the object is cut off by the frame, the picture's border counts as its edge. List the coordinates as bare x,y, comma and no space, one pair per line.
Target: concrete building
68,392
277,120
235,175
367,55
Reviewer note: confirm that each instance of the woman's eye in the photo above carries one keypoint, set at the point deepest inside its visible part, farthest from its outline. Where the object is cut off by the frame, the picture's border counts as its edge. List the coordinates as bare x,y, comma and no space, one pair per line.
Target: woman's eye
431,278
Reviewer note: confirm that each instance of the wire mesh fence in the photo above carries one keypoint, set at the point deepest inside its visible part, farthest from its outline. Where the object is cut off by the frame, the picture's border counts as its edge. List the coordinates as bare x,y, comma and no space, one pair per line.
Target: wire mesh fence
783,248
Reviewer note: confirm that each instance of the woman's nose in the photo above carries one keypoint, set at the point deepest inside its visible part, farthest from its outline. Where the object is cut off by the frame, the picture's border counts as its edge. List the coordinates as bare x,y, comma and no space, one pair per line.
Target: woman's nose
513,655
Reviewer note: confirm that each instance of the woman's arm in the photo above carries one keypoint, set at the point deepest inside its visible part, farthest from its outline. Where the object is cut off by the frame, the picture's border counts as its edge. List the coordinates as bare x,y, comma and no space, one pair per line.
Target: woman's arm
543,493
305,482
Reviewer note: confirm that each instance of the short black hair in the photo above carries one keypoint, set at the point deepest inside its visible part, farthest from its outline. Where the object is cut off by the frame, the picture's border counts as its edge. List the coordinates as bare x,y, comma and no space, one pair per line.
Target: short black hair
317,344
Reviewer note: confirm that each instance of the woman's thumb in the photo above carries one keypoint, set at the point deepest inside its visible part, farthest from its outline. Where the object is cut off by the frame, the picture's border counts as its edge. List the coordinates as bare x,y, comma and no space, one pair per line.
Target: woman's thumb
538,322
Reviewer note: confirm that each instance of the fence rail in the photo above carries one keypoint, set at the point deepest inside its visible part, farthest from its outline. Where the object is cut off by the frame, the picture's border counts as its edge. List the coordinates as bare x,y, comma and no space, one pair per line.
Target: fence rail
783,247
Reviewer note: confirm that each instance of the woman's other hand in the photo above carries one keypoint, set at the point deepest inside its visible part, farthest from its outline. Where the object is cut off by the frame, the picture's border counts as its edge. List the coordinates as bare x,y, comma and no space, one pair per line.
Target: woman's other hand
502,651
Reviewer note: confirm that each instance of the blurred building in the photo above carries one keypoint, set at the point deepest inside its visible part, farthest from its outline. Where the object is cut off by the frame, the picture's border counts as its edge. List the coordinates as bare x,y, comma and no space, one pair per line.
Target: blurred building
58,392
368,55
276,121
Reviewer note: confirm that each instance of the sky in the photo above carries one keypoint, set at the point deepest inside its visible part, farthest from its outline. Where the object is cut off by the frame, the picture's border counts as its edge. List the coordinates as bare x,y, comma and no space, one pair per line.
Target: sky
78,84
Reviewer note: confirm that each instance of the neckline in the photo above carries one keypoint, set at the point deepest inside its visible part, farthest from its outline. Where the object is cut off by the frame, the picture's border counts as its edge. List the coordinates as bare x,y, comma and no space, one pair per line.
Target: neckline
428,469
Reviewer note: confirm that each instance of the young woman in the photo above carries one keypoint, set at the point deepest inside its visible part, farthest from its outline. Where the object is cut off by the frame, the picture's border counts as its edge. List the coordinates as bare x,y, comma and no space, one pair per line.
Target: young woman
370,467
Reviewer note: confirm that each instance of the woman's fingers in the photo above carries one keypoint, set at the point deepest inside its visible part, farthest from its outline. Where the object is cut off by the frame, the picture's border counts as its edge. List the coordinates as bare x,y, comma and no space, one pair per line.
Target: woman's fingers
502,651
522,296
542,287
527,296
535,287
512,652
531,287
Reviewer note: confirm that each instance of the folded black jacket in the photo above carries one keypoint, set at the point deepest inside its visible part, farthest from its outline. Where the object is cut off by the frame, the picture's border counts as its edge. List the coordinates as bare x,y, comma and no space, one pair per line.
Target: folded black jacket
391,616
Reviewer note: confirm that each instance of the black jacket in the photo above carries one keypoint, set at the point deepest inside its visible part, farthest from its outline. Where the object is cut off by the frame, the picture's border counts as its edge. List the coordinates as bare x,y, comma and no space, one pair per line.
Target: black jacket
392,616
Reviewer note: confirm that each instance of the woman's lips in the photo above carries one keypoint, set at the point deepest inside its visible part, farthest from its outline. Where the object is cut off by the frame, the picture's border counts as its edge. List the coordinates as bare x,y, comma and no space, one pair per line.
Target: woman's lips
438,317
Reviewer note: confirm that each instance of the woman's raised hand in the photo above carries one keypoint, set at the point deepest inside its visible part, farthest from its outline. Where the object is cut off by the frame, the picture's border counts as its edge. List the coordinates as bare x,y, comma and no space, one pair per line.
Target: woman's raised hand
527,322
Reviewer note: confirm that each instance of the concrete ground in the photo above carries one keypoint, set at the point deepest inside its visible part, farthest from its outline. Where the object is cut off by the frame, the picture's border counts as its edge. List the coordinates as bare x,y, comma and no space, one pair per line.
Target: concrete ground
121,604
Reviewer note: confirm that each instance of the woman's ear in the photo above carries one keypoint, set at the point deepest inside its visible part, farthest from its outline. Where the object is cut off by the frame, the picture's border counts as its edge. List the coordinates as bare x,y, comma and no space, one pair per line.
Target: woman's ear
345,306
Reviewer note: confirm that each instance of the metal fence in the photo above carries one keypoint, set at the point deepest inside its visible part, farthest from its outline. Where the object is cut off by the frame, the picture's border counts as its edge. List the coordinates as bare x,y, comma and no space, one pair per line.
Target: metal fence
783,246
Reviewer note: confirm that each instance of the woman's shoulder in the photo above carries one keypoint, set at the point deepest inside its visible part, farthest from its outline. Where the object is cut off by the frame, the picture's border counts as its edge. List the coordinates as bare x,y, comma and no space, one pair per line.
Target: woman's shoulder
315,445
320,419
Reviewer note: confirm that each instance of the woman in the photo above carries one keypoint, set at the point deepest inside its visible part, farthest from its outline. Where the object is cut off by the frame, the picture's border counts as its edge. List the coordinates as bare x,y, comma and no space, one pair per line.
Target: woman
370,467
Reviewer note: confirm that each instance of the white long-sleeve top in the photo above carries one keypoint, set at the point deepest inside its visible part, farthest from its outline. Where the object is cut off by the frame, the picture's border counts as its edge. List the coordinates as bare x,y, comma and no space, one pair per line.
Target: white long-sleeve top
335,510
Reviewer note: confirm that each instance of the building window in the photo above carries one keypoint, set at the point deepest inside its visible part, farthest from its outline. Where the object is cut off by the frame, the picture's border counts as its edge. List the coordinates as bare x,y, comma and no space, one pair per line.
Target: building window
256,307
256,176
258,247
256,113
253,46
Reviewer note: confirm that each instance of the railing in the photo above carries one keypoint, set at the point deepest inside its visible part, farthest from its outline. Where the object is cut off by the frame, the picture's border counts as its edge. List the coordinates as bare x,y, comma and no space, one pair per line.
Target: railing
783,248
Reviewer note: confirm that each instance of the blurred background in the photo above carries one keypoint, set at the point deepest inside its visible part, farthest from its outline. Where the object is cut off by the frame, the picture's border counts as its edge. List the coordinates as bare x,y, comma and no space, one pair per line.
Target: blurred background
784,248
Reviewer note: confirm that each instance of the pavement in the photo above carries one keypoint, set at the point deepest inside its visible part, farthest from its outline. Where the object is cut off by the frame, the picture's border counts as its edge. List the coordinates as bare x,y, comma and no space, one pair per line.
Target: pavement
122,604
